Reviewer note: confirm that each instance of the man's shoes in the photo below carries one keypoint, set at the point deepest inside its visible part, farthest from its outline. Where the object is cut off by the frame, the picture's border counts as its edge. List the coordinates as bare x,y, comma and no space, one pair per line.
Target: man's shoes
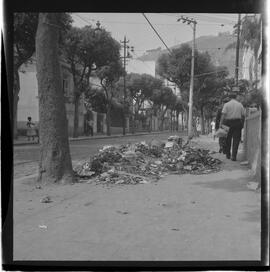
233,159
228,156
220,150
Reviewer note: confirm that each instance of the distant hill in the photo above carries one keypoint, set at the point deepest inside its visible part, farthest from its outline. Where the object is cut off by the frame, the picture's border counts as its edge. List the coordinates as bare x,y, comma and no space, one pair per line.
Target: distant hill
215,45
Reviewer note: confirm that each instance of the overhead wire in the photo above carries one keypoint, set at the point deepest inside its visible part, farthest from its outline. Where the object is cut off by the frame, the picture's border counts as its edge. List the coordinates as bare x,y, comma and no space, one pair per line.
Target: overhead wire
143,61
86,21
157,33
203,18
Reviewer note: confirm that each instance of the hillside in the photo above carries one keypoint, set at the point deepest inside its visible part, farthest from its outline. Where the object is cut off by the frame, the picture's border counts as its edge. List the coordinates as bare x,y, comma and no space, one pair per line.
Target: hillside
215,45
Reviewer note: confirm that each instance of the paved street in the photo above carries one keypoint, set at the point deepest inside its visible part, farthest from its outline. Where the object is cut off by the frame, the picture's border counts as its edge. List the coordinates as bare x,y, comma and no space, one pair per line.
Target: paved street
180,217
26,156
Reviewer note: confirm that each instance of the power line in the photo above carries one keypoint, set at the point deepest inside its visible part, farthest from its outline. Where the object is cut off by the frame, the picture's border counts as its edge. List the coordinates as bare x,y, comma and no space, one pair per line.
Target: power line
214,21
157,33
209,18
86,21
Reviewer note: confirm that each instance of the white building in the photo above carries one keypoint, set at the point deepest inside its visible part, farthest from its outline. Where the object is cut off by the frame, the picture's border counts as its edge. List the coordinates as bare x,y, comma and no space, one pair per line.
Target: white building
28,104
141,67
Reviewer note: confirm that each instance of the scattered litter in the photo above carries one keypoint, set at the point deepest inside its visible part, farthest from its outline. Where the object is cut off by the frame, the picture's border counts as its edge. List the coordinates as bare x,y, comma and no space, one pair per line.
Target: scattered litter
175,229
45,199
88,203
244,163
38,187
122,212
42,226
144,182
142,163
253,185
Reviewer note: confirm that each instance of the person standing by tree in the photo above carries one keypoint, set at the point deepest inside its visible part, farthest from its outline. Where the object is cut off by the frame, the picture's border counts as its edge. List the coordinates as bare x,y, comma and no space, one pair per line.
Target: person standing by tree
31,131
90,124
234,113
213,125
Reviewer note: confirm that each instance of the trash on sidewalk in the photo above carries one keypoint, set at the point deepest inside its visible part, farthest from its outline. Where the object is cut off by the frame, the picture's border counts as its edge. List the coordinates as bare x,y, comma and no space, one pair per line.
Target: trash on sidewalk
122,212
46,199
141,163
253,185
42,226
244,163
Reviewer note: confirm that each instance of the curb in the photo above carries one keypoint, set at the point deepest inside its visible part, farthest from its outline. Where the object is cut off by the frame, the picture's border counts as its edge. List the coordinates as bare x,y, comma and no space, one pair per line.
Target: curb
101,137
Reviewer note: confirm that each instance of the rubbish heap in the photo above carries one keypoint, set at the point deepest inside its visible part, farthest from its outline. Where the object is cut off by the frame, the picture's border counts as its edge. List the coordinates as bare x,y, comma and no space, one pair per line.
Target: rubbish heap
145,162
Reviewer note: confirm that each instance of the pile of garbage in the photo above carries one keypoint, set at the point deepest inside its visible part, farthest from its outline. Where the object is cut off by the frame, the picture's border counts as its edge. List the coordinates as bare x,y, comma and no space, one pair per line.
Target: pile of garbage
145,162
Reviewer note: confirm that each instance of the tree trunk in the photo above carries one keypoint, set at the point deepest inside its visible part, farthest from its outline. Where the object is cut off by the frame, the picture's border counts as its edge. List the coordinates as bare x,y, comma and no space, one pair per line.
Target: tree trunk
177,121
202,122
124,122
108,120
194,125
182,120
162,119
55,161
76,115
133,123
16,90
186,113
256,71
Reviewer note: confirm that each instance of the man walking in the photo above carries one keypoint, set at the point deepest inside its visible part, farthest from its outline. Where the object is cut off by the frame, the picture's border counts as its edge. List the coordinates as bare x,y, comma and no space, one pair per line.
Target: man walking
234,113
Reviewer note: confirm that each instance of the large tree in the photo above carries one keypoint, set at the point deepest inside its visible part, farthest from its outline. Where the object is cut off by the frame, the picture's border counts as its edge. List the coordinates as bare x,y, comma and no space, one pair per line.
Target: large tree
25,26
109,76
176,68
55,161
140,89
162,99
87,49
208,93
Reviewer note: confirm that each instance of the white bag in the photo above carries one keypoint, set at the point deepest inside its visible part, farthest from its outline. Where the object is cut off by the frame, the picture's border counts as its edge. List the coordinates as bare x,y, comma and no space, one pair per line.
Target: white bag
221,132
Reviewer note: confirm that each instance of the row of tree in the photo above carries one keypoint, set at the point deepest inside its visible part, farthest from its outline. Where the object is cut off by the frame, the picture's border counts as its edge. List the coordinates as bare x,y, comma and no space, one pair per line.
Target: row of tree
144,92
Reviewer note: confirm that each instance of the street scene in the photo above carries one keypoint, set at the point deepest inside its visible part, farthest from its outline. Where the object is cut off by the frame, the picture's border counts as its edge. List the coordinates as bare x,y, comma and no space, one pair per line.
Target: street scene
137,137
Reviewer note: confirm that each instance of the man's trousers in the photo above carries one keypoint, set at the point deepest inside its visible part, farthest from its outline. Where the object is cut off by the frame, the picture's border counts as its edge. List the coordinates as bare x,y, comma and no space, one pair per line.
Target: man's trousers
233,137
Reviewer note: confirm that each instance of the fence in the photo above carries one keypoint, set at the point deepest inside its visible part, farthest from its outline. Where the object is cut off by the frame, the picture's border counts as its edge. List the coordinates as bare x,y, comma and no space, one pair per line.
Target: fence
252,143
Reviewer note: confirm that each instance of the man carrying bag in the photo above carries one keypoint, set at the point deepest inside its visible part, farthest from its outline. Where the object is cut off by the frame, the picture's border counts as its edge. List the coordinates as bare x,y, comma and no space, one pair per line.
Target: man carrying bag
234,113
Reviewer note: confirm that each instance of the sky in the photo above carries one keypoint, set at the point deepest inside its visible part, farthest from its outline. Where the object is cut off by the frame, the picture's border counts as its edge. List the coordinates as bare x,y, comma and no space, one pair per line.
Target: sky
140,34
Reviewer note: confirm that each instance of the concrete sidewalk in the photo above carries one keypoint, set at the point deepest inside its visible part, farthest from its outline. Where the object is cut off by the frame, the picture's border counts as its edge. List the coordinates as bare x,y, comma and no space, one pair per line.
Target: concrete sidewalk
179,218
23,140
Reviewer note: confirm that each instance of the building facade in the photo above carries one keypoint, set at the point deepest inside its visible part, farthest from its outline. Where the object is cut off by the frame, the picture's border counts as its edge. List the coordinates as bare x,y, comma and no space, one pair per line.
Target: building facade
28,104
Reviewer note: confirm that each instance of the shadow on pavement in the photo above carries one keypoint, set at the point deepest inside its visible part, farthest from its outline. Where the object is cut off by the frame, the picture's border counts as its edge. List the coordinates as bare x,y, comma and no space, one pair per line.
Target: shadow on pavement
253,216
230,185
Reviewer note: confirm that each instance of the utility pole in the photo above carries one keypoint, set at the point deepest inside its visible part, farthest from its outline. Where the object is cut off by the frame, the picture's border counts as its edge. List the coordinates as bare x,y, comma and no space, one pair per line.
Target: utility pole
125,57
237,50
192,23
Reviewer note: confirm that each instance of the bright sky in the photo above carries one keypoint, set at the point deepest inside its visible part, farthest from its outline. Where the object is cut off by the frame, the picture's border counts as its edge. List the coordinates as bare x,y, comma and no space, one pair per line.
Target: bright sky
137,30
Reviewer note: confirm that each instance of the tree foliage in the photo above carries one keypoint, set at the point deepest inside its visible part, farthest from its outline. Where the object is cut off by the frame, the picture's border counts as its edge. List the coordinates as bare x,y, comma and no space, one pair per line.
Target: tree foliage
109,76
87,50
141,88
